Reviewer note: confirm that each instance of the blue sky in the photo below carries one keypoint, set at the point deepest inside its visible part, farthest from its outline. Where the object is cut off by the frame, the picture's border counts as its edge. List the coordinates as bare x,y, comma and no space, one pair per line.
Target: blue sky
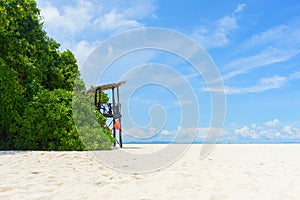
254,44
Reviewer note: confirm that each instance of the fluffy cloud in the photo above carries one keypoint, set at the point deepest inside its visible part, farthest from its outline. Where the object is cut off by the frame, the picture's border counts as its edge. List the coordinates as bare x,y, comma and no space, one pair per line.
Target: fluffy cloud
115,20
68,20
291,130
85,15
273,122
217,34
247,132
80,24
82,49
270,131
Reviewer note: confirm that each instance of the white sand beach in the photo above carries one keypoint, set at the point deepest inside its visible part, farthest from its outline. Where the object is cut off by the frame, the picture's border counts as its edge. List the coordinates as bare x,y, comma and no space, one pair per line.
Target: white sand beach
229,172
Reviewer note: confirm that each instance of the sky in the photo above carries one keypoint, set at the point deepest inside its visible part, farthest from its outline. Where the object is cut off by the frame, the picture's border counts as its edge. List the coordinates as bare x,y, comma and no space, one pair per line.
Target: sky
255,46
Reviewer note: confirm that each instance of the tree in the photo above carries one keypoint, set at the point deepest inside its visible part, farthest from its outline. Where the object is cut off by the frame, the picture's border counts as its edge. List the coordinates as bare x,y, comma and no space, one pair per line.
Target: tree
47,123
9,103
37,83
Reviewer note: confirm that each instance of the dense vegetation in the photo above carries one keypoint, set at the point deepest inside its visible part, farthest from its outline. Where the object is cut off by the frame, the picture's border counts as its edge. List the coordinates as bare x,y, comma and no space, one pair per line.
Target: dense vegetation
36,88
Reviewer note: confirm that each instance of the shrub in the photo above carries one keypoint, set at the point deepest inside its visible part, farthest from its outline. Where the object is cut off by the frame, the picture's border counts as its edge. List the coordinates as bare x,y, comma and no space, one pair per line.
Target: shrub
47,123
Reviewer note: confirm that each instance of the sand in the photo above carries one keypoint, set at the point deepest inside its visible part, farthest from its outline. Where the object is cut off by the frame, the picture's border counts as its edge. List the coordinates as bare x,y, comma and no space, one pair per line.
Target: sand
229,172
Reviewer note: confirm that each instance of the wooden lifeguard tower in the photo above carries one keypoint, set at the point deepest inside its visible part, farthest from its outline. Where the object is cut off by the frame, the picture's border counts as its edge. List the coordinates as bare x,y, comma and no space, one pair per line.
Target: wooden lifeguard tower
111,109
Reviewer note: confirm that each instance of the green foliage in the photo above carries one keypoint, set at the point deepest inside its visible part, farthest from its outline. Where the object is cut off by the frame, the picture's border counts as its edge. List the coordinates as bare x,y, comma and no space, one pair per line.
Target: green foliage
10,98
47,123
36,85
20,32
90,123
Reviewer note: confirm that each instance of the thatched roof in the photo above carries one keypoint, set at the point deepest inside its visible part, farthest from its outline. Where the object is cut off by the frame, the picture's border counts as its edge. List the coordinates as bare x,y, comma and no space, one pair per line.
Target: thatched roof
105,87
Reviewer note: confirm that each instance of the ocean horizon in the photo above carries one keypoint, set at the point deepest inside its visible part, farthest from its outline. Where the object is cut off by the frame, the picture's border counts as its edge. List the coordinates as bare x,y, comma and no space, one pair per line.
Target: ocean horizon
221,142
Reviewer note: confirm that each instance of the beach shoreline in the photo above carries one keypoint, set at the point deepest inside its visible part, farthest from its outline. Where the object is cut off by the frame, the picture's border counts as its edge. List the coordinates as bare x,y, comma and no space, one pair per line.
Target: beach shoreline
230,171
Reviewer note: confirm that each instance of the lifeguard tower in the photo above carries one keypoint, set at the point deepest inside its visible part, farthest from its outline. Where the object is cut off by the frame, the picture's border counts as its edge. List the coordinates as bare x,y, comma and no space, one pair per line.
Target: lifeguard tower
110,110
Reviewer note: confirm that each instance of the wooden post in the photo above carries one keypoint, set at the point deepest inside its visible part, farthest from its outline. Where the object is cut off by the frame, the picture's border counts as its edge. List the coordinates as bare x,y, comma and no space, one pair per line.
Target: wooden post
119,114
100,99
95,101
99,106
113,109
113,99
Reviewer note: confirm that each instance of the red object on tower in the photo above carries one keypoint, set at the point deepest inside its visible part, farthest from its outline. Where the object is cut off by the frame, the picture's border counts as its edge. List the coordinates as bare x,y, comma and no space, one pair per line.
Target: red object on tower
117,125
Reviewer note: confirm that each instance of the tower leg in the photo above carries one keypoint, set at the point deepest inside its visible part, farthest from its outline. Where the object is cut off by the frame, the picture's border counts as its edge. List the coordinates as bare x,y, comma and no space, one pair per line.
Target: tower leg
120,136
114,132
119,113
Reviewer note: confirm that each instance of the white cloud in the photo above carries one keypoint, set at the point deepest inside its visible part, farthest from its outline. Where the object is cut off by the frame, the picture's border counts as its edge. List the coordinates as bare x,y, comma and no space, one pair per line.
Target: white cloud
264,84
274,82
253,125
82,50
273,130
288,129
273,122
282,35
239,8
217,34
87,14
187,134
277,44
265,58
292,131
273,34
247,132
67,20
79,24
115,21
165,132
